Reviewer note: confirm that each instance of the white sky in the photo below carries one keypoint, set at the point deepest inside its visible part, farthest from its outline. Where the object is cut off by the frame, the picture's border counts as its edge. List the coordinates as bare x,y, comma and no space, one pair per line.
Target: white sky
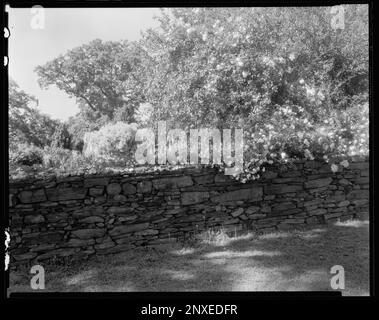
65,28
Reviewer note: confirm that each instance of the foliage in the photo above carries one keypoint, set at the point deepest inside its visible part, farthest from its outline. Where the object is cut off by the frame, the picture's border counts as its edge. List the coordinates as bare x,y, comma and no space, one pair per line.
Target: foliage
100,75
297,87
111,143
26,155
26,124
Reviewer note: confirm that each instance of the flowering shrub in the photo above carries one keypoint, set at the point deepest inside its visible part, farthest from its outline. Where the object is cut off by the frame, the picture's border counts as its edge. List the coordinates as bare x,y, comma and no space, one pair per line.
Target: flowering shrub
289,134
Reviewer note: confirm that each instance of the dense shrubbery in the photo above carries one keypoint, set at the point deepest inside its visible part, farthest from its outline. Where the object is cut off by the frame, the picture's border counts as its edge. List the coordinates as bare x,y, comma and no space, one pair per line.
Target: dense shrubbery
113,143
297,87
26,155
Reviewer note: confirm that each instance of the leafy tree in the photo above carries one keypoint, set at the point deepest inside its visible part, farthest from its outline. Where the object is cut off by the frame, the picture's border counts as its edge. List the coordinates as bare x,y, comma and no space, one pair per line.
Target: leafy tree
100,75
221,66
26,123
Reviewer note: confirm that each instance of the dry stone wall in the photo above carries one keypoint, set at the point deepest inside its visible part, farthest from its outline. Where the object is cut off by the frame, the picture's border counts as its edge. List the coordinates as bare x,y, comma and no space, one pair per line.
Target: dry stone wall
80,216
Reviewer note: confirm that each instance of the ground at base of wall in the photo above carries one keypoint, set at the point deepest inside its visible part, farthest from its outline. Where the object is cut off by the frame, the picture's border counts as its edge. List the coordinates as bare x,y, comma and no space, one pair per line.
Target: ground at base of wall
298,260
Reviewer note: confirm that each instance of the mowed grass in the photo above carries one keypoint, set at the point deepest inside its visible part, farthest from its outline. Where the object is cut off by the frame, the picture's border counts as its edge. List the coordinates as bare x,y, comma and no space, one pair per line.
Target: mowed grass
283,261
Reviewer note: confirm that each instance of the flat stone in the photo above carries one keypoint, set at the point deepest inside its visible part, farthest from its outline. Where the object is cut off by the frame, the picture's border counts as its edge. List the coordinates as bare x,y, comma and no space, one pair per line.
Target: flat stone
318,183
252,210
144,186
344,203
128,188
80,242
88,233
43,247
32,196
34,219
94,219
358,194
113,188
147,232
61,194
317,212
120,210
251,194
282,188
172,183
91,182
344,182
124,229
95,192
237,212
128,218
359,165
206,179
120,198
360,202
25,256
194,197
42,237
257,216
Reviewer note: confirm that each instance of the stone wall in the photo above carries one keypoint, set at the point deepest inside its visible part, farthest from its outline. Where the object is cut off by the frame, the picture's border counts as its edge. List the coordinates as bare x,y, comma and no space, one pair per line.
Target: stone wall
79,216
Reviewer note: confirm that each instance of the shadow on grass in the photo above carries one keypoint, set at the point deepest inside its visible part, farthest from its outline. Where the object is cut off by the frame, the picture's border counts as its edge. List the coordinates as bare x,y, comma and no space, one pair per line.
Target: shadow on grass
282,261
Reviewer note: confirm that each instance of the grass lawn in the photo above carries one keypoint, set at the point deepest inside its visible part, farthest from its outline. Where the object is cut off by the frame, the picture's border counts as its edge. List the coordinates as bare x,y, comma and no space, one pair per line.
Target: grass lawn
281,261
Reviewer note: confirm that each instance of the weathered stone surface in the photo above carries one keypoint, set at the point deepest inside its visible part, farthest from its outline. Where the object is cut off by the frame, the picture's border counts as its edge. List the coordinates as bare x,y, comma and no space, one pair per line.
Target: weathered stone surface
91,182
43,247
120,198
116,231
318,183
49,219
95,192
60,194
25,256
284,206
43,238
194,197
94,219
344,182
282,188
88,211
144,186
120,210
358,194
251,194
34,219
317,212
360,202
128,188
172,183
113,189
148,232
80,242
88,233
359,166
237,212
32,196
252,210
206,179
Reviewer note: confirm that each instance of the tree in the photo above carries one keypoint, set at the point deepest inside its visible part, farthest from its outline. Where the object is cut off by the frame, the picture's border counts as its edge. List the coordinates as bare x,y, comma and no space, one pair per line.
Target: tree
101,76
223,66
26,123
